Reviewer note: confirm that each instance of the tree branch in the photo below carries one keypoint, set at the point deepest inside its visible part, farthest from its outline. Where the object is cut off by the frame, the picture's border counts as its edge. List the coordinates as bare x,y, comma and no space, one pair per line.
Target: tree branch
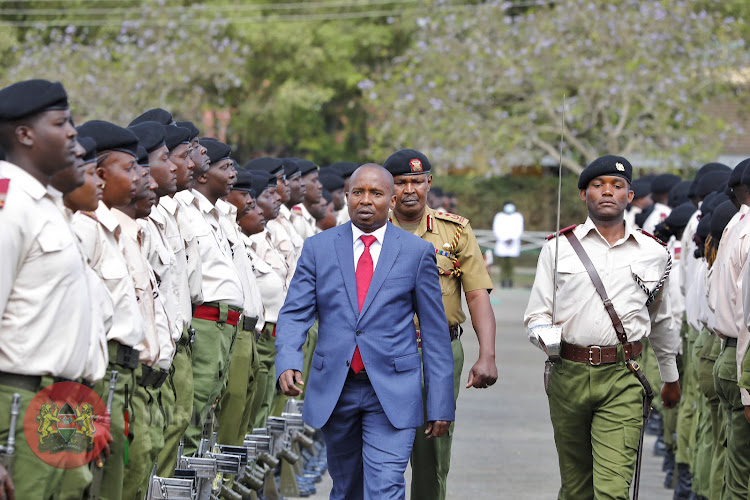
552,151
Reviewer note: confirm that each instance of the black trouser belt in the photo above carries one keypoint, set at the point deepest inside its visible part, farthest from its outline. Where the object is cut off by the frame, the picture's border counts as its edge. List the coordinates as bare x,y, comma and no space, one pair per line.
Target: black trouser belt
32,383
152,377
455,331
730,342
357,376
122,355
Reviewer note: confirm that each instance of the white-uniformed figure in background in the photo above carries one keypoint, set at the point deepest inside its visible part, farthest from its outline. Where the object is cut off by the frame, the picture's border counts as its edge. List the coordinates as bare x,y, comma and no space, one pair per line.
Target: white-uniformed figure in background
507,228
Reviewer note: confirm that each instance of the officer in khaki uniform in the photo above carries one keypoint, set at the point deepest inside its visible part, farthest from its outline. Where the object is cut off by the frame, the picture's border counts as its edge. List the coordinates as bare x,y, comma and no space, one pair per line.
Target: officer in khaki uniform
595,401
461,265
42,276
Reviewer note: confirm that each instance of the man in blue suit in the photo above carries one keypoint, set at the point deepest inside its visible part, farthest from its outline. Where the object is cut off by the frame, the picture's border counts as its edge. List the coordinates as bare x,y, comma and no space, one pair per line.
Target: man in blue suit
365,280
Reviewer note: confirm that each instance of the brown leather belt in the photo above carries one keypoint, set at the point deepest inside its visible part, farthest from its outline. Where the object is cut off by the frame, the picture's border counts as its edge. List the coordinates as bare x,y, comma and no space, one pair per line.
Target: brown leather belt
596,355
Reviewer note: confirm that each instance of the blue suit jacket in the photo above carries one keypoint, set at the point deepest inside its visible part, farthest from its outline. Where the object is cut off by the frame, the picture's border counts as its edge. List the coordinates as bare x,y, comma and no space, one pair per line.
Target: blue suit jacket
405,282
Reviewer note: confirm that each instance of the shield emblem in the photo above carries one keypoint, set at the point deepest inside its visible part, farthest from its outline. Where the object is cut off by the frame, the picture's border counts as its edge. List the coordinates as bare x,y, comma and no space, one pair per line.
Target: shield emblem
66,425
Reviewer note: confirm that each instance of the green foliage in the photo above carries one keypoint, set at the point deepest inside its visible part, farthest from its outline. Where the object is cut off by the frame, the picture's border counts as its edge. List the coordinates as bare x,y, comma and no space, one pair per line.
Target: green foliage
479,199
484,85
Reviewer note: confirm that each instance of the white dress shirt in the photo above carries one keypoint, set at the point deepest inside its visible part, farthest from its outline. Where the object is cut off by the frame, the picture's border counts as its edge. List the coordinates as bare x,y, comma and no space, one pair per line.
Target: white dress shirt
359,246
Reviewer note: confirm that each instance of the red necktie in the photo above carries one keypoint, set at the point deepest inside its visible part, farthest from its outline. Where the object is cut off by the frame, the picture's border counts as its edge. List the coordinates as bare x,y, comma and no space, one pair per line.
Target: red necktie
364,277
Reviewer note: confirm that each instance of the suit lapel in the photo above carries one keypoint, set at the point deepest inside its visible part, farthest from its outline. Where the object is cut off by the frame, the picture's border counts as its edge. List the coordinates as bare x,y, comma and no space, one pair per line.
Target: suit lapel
345,253
388,253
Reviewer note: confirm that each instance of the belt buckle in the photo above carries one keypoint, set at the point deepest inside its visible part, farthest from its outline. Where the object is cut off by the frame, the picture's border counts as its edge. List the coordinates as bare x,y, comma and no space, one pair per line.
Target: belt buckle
591,355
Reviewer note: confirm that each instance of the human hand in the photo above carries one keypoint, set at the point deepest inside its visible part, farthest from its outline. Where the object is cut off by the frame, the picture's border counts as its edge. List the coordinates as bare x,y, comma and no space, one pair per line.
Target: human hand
747,413
288,382
670,394
7,490
483,374
436,428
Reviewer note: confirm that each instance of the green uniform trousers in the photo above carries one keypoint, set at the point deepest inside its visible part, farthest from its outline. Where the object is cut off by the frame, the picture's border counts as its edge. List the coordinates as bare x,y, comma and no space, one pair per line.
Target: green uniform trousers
33,478
597,414
146,435
737,429
708,356
180,382
211,357
650,367
234,410
77,481
688,404
265,384
431,458
702,434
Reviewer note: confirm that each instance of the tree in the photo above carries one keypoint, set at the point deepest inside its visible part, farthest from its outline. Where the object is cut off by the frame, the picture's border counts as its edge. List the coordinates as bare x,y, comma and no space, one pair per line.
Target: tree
479,85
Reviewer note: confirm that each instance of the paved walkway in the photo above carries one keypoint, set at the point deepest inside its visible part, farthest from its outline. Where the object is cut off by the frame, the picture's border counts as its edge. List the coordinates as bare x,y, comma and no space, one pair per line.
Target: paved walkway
503,445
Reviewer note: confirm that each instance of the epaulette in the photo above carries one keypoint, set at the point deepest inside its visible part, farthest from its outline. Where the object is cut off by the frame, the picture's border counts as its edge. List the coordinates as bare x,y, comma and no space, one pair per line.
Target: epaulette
4,185
456,219
297,210
88,214
652,236
562,231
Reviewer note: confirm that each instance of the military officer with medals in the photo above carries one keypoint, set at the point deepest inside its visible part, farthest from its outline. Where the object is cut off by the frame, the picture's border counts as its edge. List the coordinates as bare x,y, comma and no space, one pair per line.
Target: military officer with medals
596,402
461,265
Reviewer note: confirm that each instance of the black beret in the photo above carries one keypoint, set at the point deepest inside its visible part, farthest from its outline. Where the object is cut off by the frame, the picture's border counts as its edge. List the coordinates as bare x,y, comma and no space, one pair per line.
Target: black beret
680,216
30,97
89,145
327,195
708,167
745,178
290,167
331,179
215,149
142,157
712,201
704,226
606,165
720,217
306,166
110,137
712,181
735,177
154,115
641,187
244,182
678,194
150,135
262,180
664,182
407,162
266,163
174,136
345,168
194,132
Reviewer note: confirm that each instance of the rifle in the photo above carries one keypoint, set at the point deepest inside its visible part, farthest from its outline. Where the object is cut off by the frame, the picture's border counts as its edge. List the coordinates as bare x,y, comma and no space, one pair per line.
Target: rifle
97,466
7,452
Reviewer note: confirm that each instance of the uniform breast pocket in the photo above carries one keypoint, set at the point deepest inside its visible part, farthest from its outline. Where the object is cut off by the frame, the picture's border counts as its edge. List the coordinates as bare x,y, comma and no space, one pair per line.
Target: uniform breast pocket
113,269
54,239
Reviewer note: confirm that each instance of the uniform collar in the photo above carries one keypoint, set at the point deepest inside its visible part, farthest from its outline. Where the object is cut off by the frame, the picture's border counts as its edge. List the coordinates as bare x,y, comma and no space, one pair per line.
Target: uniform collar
285,212
169,204
426,223
105,217
23,180
203,203
227,209
586,228
130,227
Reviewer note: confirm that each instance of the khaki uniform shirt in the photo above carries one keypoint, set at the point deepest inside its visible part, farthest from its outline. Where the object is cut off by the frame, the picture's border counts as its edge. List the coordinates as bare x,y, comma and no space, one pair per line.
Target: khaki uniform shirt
272,286
99,233
45,327
580,311
676,297
286,239
688,262
342,216
656,217
726,283
696,300
304,222
253,304
102,313
220,282
156,320
185,239
440,229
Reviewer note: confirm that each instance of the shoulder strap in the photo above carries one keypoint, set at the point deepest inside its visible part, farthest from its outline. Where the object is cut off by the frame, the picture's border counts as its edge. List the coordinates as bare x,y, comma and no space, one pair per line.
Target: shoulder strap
576,244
